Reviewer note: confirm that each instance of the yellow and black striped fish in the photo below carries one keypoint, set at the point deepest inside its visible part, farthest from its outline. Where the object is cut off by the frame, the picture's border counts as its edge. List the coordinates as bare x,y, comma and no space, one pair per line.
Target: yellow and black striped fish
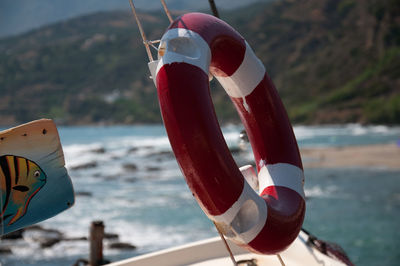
20,180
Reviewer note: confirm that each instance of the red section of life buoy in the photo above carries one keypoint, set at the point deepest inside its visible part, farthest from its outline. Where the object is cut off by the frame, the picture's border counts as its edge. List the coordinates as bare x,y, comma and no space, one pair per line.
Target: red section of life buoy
196,138
193,45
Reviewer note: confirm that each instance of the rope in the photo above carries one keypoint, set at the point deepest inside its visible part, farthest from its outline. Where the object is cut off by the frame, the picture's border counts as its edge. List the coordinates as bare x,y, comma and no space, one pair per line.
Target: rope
151,43
146,44
226,245
230,251
166,11
280,259
214,8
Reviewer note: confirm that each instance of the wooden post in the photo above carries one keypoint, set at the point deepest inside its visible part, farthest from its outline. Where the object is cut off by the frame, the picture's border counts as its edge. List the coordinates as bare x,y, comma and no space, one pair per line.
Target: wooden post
96,243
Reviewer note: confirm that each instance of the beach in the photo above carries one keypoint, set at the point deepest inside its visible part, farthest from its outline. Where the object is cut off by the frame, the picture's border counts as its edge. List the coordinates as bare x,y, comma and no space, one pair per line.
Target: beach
385,156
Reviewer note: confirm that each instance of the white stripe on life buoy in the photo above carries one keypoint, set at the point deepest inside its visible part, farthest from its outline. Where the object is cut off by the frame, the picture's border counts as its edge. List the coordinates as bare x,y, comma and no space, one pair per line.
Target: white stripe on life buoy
184,46
250,176
246,77
246,217
282,174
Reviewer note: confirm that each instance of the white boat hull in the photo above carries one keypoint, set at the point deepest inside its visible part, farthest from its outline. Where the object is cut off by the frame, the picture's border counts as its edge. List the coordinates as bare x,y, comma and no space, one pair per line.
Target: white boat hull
213,252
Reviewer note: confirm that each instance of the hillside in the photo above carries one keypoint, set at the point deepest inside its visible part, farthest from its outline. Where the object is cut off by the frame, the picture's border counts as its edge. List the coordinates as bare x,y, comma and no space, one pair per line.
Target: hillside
18,16
332,62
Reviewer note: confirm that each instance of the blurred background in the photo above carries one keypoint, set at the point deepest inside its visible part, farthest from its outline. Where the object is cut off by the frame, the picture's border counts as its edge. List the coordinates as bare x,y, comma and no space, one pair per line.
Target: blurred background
332,61
335,63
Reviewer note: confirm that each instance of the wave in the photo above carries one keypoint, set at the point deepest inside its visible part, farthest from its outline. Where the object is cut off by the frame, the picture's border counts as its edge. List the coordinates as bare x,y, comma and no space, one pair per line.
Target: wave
342,135
133,183
321,192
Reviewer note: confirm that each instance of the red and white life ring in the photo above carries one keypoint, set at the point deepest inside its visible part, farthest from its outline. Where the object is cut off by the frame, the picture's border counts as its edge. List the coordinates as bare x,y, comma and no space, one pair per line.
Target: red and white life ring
194,45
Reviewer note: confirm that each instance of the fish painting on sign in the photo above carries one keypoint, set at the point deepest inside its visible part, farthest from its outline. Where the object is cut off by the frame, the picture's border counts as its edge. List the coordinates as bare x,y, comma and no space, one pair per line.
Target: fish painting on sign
20,180
34,184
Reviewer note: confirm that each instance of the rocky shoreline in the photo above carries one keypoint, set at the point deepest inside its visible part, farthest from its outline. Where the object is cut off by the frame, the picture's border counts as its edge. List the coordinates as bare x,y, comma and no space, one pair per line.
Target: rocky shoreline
386,156
47,238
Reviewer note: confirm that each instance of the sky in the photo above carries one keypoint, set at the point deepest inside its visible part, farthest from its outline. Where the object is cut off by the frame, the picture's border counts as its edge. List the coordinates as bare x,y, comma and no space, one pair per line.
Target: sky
18,16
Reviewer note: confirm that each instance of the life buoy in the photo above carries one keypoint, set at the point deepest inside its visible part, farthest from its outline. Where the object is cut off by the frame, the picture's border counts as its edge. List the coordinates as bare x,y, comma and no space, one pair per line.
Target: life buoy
194,45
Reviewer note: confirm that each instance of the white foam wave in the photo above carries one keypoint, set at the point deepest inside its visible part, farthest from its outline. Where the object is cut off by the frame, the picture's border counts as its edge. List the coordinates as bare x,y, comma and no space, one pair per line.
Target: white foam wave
319,192
152,237
140,142
303,132
231,138
121,205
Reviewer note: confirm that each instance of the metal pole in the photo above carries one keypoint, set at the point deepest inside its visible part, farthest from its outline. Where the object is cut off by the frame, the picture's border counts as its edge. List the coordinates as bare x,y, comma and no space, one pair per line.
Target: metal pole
96,243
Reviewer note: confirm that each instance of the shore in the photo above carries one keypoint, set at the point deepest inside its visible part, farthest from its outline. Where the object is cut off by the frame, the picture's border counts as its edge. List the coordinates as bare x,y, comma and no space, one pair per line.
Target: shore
374,156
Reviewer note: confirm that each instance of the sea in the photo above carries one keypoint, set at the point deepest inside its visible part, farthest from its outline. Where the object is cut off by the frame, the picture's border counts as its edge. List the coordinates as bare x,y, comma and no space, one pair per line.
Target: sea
127,177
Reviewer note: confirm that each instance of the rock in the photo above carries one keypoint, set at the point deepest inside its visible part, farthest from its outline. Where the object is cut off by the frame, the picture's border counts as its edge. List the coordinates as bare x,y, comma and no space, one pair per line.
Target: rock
5,250
83,193
161,153
166,153
47,243
147,147
153,168
110,177
111,236
120,245
13,235
45,237
131,179
84,166
243,136
235,150
130,167
42,229
48,237
151,177
100,150
81,262
34,227
79,238
133,149
85,262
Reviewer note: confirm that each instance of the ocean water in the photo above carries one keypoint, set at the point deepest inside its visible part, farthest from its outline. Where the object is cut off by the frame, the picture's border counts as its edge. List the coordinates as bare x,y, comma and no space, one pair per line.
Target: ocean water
127,177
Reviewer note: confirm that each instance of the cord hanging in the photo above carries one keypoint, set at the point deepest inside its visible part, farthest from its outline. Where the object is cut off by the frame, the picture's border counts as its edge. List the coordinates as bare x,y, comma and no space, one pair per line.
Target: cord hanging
226,245
280,259
166,11
145,42
214,8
